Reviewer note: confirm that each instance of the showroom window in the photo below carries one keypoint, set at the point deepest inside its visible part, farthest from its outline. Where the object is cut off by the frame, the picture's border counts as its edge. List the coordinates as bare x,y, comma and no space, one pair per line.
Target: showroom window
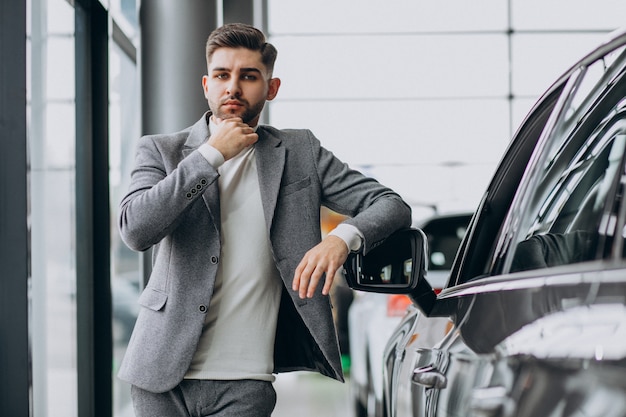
75,90
51,147
124,126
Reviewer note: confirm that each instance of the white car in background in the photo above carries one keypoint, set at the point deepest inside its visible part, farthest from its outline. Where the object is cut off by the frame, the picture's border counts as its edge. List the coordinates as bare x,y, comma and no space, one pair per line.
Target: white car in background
372,317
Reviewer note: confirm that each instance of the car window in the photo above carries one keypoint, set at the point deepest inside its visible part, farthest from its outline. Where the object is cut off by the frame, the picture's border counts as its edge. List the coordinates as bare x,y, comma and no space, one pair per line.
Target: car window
569,213
444,235
482,241
523,196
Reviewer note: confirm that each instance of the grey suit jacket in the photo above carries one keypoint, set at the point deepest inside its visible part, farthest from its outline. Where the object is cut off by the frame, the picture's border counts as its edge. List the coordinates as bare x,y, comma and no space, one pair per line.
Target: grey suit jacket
173,206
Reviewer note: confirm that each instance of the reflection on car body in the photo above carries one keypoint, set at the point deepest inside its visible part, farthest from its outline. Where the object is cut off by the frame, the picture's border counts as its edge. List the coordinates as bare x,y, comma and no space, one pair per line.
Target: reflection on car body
373,317
534,314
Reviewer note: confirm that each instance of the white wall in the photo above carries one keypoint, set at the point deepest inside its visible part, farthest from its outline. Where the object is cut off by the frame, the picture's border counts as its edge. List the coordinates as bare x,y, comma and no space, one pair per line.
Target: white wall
425,95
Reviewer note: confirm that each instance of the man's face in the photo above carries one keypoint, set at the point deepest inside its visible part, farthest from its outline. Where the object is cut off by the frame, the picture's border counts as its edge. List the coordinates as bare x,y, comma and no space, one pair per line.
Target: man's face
237,84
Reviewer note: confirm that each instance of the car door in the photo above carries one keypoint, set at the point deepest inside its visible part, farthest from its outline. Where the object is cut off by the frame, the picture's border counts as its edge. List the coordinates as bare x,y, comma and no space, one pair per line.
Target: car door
411,352
559,187
408,351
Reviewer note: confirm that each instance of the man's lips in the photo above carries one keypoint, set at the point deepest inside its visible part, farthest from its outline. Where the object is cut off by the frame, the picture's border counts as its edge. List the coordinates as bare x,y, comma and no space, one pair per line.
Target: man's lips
232,103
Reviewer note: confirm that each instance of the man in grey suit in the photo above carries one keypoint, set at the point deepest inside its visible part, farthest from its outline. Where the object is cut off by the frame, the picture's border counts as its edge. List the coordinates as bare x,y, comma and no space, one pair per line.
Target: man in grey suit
232,212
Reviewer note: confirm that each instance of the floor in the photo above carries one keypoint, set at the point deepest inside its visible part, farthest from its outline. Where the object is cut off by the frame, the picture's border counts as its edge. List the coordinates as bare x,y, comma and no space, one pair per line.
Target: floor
311,395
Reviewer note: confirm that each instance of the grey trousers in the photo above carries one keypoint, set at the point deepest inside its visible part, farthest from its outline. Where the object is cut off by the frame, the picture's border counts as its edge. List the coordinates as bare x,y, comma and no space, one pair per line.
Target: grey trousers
200,398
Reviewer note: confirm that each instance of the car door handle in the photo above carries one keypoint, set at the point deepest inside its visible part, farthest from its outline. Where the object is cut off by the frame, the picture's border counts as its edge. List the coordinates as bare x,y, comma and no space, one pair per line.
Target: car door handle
429,377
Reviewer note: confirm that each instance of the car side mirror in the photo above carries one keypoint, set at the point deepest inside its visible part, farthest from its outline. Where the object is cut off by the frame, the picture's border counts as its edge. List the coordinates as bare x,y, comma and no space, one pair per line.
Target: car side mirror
397,265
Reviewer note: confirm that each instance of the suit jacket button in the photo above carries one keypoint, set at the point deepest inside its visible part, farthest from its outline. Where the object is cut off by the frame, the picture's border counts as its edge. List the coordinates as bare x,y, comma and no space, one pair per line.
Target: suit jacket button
202,308
214,260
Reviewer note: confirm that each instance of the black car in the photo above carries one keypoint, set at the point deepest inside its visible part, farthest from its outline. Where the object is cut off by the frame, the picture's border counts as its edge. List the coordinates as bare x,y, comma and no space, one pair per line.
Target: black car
533,319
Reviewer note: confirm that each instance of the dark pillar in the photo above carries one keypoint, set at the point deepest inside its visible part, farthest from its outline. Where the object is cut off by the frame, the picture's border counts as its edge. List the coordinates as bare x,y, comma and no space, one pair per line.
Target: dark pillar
93,284
173,37
239,11
15,368
253,12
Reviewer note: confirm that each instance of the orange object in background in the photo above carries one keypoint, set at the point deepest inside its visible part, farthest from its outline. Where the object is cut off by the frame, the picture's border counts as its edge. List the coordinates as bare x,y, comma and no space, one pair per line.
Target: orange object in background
397,305
330,220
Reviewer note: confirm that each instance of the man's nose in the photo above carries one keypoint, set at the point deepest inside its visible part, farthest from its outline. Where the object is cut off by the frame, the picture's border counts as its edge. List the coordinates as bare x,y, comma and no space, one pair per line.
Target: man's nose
233,87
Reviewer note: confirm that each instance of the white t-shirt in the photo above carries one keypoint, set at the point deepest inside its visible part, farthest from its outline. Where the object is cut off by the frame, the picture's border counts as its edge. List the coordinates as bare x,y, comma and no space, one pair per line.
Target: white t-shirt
238,337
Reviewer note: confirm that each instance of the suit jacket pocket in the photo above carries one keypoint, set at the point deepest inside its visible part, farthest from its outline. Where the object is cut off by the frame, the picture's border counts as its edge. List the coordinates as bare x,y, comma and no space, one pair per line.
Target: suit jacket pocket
295,186
152,299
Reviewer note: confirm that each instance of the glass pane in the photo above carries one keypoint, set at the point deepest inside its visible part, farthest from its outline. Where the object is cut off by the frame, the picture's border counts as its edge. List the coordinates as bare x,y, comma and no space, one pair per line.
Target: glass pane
444,236
125,264
59,19
52,202
565,229
569,211
124,13
59,51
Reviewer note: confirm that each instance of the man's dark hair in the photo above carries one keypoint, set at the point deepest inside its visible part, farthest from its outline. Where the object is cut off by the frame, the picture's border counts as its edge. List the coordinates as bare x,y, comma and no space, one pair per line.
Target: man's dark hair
240,35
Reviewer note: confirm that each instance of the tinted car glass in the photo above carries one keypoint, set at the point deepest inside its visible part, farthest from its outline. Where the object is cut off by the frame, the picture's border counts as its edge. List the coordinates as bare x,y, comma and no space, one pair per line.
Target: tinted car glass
572,213
444,237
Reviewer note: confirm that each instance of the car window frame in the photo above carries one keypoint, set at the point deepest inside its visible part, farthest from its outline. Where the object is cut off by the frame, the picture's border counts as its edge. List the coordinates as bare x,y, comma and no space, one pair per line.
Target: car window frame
477,248
477,257
513,228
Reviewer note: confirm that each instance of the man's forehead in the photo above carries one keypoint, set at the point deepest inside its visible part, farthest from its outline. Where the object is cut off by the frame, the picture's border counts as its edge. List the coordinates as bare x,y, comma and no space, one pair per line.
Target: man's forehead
236,58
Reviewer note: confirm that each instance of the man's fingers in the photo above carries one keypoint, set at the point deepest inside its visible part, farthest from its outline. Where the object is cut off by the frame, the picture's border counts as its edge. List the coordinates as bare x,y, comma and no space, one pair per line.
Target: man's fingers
305,279
323,259
297,277
308,278
232,136
314,280
330,277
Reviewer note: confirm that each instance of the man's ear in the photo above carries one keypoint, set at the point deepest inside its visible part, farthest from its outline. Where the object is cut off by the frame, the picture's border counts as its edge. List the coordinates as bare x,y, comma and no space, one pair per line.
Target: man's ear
274,85
205,85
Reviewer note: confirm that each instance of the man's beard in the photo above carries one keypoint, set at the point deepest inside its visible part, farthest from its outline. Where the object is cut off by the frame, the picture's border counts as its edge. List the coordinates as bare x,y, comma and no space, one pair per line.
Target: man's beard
249,113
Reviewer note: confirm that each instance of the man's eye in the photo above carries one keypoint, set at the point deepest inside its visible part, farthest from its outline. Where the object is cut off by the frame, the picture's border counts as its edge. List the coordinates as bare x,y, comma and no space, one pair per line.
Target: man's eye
221,76
249,77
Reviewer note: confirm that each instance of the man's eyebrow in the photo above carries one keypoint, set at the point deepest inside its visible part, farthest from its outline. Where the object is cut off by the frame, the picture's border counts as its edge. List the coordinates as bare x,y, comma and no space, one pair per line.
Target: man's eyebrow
251,69
246,69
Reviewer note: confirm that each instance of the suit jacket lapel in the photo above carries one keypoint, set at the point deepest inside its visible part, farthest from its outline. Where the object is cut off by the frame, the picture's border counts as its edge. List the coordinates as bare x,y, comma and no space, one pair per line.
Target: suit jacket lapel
198,134
270,160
